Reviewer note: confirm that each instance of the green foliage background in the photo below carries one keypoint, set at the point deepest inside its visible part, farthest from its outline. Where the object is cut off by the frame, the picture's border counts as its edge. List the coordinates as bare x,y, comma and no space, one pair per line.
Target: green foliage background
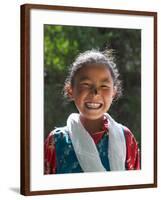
63,43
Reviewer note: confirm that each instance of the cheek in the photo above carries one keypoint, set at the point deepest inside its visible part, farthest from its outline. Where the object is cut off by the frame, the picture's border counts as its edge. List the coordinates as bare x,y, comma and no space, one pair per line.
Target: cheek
108,96
79,97
108,93
80,92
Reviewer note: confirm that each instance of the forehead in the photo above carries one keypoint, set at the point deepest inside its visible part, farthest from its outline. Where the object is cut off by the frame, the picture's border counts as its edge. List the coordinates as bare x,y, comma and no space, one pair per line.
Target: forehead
94,72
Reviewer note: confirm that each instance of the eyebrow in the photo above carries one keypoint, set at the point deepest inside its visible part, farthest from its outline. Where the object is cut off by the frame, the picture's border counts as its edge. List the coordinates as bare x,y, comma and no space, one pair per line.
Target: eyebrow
86,78
106,80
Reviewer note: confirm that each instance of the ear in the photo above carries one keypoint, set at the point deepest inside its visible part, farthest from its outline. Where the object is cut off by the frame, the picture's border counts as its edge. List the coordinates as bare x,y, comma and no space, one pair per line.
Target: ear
114,92
70,93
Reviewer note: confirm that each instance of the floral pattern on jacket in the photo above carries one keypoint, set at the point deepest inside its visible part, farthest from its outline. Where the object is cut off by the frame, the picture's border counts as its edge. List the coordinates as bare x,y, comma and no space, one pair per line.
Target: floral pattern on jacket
60,156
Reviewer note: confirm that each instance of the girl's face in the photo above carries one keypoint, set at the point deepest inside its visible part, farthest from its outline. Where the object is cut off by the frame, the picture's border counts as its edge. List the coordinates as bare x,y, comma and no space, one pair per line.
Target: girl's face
93,91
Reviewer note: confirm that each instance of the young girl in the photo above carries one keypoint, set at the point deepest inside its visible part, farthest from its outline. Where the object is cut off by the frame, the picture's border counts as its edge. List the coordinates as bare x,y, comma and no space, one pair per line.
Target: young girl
91,141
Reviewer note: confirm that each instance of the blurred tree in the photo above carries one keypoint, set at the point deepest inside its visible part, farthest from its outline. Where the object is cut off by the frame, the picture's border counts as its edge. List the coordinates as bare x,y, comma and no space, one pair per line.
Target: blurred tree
63,43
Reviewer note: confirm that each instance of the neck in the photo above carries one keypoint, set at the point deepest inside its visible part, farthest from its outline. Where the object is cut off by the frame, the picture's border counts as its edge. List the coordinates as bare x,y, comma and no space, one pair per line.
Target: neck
92,126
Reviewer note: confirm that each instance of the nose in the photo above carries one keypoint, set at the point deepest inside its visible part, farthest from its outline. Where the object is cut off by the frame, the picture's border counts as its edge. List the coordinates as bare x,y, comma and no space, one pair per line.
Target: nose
94,90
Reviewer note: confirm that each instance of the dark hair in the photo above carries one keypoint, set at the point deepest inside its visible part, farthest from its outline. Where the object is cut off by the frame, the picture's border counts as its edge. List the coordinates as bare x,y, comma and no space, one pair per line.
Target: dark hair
94,57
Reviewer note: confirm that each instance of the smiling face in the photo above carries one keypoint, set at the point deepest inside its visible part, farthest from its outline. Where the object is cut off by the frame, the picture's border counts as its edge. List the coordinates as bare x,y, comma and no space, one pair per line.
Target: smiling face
93,91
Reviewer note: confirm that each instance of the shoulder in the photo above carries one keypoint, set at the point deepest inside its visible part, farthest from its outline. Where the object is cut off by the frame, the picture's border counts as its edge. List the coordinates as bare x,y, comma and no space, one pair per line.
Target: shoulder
59,131
131,142
60,134
132,150
129,136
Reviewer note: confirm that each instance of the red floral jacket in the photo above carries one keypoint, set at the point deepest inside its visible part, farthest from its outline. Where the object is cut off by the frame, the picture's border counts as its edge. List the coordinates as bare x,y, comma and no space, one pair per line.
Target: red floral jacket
132,151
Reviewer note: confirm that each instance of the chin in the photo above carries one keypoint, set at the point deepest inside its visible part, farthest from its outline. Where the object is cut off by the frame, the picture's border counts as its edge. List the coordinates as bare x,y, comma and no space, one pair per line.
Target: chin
92,116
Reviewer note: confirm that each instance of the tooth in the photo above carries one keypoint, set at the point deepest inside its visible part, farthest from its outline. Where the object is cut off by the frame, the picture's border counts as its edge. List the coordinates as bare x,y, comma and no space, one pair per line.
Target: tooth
93,105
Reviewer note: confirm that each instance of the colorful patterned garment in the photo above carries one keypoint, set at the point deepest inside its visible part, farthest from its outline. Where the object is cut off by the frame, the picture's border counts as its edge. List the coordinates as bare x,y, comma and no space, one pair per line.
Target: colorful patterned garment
60,156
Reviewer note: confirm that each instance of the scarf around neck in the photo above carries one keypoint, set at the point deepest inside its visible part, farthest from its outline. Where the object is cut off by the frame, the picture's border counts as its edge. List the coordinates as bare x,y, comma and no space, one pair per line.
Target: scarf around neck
86,150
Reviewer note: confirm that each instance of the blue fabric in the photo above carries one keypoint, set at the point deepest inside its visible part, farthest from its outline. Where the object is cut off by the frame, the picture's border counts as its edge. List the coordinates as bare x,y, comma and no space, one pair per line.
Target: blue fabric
66,160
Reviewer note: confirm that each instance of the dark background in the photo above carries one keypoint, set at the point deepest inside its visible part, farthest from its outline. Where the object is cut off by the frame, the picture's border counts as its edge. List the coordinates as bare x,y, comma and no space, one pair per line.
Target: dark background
63,43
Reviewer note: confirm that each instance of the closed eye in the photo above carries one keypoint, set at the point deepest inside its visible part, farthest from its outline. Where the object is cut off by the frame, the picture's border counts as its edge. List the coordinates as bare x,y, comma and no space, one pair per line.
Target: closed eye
87,85
105,86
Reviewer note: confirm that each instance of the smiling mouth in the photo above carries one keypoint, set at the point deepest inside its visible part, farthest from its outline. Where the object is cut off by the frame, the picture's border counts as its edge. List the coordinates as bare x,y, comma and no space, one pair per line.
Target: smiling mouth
90,105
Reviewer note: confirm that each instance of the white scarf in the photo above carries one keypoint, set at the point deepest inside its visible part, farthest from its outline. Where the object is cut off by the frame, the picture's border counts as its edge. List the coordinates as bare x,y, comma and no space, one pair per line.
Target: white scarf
86,150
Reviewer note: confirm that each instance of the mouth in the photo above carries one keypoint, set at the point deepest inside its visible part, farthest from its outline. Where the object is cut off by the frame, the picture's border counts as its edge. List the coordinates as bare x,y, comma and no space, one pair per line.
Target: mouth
91,105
